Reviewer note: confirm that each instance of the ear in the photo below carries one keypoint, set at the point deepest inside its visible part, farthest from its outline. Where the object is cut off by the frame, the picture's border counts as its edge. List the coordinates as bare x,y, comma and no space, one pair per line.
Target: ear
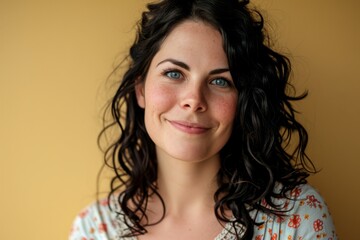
140,93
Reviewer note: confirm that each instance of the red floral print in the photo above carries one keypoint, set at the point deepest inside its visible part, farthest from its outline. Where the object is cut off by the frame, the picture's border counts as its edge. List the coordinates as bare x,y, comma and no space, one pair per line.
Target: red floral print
296,192
83,213
318,225
263,202
102,227
286,204
261,226
312,201
274,236
307,218
294,221
280,219
104,202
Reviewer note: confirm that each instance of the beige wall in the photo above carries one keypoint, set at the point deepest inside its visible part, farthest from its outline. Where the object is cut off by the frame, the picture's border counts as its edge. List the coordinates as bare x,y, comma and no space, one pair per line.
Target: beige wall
56,55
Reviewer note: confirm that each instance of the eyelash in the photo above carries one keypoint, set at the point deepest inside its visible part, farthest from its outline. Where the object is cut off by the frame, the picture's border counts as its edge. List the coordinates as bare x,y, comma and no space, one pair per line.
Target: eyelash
166,73
227,82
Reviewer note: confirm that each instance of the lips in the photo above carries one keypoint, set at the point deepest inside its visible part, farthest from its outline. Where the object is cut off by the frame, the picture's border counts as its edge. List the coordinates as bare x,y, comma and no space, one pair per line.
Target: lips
188,127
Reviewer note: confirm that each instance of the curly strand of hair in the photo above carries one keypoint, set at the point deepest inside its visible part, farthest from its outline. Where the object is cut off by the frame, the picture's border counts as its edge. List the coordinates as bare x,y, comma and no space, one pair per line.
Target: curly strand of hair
267,145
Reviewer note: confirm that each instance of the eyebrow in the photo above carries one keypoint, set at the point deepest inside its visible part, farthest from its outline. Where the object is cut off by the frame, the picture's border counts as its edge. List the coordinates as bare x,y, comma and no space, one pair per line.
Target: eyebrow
187,67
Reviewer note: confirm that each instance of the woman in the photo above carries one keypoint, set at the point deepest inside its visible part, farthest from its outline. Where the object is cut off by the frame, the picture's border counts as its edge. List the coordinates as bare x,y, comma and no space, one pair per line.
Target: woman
204,146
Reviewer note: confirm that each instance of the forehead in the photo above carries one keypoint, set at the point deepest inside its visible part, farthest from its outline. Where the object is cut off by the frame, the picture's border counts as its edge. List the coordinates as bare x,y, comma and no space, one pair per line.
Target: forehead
194,41
192,32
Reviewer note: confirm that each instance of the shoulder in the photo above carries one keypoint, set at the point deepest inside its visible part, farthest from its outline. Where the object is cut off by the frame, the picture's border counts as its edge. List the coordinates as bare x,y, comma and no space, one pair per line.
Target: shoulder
306,215
96,221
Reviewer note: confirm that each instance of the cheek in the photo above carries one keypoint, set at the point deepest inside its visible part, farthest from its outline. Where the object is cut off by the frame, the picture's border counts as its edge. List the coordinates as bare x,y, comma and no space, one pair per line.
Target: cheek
158,98
226,108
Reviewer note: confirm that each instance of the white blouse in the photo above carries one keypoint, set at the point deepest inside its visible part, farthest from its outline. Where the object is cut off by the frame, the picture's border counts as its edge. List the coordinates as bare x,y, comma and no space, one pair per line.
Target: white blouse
307,218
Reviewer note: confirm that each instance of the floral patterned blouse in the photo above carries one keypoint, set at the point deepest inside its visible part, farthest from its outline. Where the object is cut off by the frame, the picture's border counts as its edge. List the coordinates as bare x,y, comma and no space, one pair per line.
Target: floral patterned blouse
308,218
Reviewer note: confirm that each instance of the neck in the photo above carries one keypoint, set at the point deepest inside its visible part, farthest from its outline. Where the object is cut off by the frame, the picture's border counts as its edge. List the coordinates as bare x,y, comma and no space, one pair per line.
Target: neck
187,187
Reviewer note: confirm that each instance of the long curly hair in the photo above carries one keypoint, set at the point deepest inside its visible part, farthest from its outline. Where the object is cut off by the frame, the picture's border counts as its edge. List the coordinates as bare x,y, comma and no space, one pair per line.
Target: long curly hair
267,145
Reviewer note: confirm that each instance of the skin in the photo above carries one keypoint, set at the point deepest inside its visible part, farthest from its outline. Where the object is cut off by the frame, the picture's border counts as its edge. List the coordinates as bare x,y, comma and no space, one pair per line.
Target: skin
190,102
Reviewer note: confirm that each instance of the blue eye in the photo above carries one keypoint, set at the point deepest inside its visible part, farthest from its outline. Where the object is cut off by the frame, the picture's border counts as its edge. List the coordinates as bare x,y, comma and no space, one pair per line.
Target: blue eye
173,74
221,82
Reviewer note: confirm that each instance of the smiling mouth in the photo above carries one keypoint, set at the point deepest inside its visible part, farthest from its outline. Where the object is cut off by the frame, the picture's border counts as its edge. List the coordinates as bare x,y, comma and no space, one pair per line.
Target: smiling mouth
190,128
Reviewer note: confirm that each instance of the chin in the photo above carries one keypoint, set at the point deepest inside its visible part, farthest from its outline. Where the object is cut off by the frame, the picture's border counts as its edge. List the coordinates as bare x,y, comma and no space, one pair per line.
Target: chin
194,155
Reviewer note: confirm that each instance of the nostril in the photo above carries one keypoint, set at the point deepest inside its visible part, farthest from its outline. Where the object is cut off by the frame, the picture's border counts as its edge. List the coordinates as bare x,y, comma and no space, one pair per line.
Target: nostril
194,107
194,102
187,105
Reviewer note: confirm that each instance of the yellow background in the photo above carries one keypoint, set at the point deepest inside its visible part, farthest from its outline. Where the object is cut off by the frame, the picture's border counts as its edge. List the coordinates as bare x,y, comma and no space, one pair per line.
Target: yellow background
55,57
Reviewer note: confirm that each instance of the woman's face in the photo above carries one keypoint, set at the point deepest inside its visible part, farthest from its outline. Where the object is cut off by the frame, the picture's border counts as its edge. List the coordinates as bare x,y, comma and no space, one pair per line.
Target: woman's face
188,95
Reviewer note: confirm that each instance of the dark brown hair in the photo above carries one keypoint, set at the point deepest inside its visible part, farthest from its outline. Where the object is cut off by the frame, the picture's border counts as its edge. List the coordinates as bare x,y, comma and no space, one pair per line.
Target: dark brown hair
256,156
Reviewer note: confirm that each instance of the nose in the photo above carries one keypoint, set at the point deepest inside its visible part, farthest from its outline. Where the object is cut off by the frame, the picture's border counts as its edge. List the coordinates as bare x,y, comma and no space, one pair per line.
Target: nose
194,99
